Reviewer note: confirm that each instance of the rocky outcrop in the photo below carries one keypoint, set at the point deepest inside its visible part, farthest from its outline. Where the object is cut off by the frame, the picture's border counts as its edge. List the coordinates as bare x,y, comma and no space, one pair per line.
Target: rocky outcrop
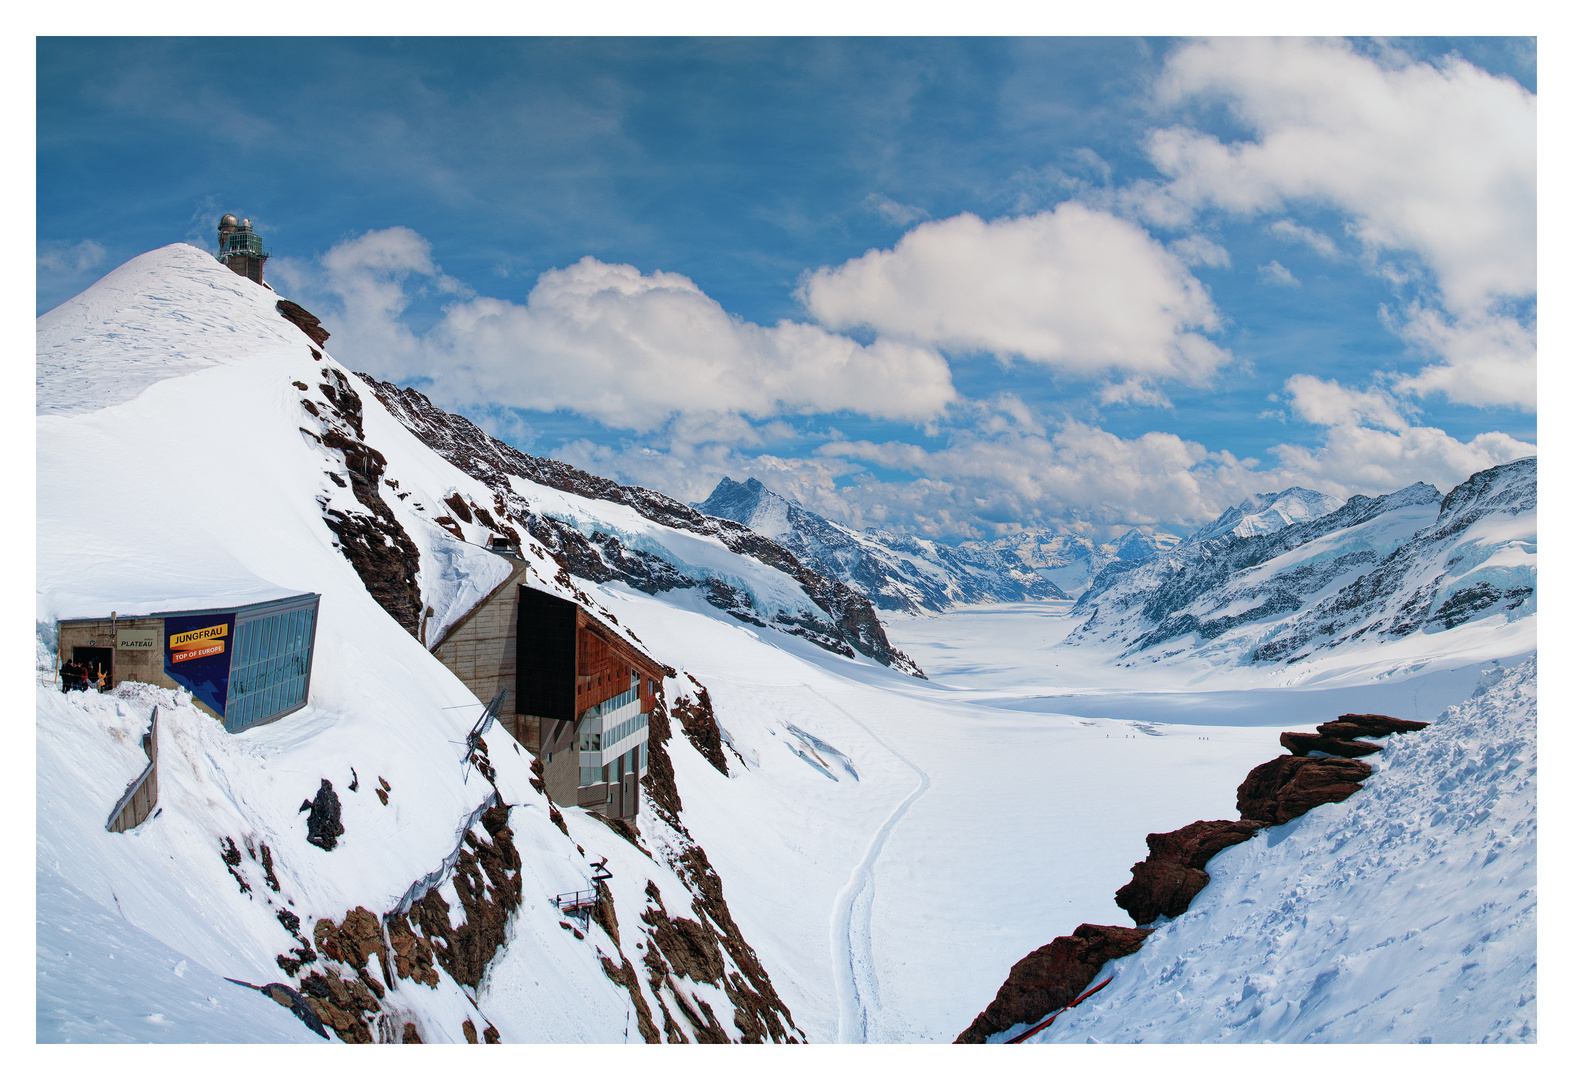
323,824
1286,787
376,545
1303,743
699,724
1050,978
852,624
759,1014
1369,726
487,881
1174,872
309,324
1165,883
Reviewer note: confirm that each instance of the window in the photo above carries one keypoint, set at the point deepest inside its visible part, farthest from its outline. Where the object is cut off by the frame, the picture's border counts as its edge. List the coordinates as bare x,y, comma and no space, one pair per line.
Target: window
269,673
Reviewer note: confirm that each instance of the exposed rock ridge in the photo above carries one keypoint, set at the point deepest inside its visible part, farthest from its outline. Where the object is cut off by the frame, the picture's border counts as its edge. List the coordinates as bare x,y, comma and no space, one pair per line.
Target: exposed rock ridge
309,324
1164,884
853,624
371,538
759,1012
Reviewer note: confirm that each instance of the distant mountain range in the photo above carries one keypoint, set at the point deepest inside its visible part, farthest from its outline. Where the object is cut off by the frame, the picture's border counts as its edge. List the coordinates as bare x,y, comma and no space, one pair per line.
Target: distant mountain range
1371,570
896,573
905,573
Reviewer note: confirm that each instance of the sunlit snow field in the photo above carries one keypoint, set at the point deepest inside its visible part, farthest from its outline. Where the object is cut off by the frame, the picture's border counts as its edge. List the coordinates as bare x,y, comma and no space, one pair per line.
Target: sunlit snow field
997,805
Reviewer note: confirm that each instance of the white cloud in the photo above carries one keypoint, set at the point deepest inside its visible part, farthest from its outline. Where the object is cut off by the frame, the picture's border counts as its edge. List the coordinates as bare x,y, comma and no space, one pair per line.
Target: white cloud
1371,447
1003,470
611,343
61,258
1435,161
1355,459
1325,403
1134,392
1075,288
1487,359
1276,273
1319,242
892,211
1200,251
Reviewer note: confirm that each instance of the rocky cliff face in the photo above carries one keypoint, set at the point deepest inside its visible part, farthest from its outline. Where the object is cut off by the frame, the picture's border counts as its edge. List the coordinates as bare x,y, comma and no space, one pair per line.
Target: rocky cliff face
896,573
849,624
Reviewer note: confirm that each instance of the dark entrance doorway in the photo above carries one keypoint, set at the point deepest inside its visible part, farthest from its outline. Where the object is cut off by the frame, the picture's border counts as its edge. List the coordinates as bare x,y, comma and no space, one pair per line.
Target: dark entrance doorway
92,662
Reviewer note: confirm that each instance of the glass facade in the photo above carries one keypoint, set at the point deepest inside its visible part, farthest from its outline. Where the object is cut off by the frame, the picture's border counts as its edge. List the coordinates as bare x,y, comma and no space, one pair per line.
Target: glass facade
270,668
241,242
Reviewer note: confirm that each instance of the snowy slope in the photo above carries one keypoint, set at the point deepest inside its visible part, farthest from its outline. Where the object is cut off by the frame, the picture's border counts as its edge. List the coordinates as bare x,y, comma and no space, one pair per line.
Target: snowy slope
118,338
235,503
1262,514
898,573
1405,914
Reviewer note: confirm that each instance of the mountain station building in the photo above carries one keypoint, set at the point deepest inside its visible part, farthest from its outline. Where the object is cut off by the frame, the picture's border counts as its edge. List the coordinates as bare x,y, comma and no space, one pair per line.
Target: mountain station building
579,694
244,665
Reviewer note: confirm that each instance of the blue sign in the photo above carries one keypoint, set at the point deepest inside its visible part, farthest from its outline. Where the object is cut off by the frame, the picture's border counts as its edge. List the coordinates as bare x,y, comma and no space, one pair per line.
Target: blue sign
197,652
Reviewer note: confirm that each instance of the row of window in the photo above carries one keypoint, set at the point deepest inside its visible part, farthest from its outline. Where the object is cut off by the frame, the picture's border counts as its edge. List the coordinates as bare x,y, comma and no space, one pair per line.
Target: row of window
594,740
627,697
637,758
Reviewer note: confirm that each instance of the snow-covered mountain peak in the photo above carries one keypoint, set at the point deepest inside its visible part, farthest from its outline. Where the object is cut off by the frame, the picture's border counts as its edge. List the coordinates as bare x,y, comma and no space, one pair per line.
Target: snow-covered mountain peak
168,312
1261,514
896,572
1373,570
1143,543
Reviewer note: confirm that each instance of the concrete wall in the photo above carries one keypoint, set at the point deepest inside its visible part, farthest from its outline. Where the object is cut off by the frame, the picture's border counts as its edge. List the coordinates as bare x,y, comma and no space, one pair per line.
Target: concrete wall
136,665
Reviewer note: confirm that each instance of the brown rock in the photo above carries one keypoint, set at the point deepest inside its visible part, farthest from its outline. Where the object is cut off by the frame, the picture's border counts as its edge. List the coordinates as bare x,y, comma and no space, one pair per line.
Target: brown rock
1301,743
469,1032
1286,787
1371,725
699,724
309,324
1173,873
410,1034
1050,978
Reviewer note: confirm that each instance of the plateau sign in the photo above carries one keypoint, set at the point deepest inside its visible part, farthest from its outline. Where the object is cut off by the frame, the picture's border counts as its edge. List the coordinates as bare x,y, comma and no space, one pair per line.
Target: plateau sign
137,639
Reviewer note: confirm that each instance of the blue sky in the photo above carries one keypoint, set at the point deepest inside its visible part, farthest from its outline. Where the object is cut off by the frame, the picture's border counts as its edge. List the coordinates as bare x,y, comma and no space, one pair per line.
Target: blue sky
954,286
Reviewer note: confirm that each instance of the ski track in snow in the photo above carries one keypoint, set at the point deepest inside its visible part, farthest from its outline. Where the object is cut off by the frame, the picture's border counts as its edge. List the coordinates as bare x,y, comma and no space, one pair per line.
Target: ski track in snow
852,941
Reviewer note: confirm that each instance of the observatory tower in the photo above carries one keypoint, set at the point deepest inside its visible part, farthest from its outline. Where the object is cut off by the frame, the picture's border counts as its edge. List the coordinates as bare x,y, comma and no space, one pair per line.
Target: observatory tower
239,248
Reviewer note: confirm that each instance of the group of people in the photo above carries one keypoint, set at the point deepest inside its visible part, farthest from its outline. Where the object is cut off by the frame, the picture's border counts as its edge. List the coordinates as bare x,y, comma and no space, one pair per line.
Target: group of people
75,676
